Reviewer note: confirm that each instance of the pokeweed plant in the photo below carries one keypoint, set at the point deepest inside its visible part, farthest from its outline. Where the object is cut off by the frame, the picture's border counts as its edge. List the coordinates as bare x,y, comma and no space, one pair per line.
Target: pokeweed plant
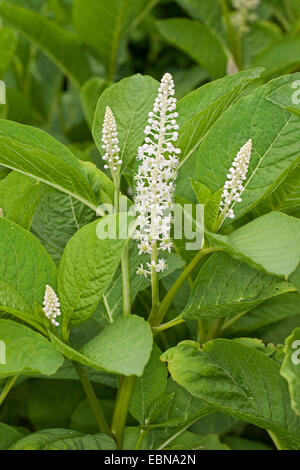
176,344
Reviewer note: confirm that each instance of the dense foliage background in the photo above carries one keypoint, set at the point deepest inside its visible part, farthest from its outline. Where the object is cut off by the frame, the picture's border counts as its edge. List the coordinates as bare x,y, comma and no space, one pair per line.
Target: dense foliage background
58,59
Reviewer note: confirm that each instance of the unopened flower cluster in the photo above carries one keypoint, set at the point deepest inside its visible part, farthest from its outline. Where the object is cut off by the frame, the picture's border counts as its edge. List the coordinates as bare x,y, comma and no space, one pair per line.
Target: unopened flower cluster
51,306
110,142
244,13
234,188
156,177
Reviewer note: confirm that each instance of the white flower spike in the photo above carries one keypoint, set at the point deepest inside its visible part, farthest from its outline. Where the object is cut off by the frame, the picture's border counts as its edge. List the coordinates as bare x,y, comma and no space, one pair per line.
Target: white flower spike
156,177
51,305
244,13
233,187
110,142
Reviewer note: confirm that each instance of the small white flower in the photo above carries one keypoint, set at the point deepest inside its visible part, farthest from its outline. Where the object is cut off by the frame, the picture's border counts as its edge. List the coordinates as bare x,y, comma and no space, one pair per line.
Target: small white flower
237,174
51,305
244,13
156,176
110,142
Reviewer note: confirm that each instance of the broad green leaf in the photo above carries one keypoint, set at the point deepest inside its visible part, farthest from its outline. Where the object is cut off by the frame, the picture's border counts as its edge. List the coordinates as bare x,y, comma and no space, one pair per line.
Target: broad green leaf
199,110
285,198
189,35
27,352
295,278
241,443
257,40
208,11
225,287
25,264
190,441
130,100
90,94
148,387
8,42
288,96
275,134
8,436
290,368
86,269
104,26
281,55
87,442
14,304
34,153
56,219
270,312
42,439
19,196
51,403
239,380
270,243
59,44
123,347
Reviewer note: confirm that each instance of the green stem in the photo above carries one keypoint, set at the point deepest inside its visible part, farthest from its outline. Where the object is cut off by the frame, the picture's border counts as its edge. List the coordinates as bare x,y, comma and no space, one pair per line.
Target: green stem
168,299
154,286
7,388
124,261
233,38
121,409
215,329
92,397
143,433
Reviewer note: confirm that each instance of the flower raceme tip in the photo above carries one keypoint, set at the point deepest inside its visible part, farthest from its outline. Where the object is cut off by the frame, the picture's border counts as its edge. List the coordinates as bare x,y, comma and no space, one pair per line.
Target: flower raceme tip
236,176
110,142
155,179
51,305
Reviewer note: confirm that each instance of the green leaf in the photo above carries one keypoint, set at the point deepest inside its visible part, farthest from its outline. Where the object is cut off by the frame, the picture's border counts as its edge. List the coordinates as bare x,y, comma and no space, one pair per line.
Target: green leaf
42,439
229,297
90,94
270,243
285,198
288,96
281,55
56,219
295,278
60,45
271,157
290,368
272,311
149,387
19,196
34,153
225,374
123,347
87,442
8,436
27,352
188,35
8,42
86,269
25,264
104,26
130,100
209,12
